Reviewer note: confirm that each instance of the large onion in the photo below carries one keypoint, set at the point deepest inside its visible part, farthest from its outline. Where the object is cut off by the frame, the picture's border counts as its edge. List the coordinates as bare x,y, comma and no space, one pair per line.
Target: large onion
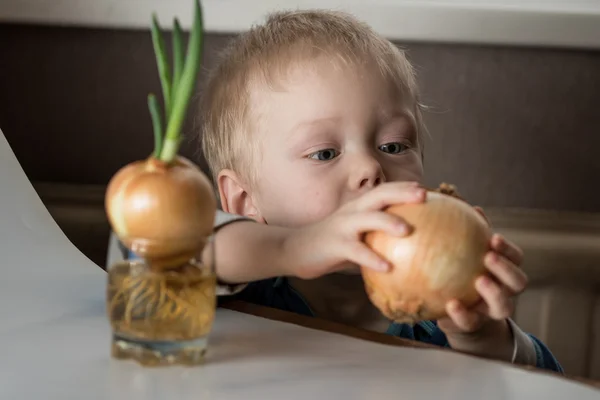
437,262
163,212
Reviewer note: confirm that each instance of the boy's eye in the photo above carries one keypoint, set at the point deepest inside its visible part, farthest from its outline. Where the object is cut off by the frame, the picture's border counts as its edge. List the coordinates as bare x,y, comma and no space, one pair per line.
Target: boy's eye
324,155
393,148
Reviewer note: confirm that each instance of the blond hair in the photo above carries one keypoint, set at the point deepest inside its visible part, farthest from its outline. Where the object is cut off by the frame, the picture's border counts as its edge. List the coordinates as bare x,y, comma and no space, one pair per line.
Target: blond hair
263,53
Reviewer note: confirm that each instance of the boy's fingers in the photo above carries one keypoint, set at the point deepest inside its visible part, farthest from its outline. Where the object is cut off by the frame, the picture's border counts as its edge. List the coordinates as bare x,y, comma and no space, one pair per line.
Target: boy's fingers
376,221
482,308
389,194
506,272
465,320
361,255
507,249
499,303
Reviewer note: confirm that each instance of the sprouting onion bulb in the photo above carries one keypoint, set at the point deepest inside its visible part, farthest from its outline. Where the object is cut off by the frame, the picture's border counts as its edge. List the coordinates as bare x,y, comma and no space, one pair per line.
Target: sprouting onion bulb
163,207
439,261
162,212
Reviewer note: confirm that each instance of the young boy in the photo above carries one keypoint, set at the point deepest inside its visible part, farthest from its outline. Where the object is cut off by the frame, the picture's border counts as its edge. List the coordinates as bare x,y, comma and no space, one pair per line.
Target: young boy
312,125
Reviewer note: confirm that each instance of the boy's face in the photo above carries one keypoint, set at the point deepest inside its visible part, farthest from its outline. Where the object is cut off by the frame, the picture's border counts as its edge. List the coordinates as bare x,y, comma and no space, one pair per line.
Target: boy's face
329,136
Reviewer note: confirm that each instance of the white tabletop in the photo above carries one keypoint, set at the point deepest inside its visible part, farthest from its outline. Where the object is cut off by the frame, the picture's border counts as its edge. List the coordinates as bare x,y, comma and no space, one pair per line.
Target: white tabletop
55,339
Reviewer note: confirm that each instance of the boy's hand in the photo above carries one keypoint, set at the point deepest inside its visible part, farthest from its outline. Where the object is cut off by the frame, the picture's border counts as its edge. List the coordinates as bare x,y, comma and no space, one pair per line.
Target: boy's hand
484,329
331,244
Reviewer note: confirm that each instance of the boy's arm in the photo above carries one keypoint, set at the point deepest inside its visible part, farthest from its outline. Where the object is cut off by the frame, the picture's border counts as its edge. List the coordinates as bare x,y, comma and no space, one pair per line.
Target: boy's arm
245,251
528,349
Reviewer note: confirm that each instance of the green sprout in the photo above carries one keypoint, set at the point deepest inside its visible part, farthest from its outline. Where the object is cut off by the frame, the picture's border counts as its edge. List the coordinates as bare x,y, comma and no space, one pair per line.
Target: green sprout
177,91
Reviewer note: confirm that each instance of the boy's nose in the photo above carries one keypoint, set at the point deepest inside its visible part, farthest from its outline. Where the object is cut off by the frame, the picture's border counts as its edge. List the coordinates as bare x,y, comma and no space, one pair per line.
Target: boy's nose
370,183
367,174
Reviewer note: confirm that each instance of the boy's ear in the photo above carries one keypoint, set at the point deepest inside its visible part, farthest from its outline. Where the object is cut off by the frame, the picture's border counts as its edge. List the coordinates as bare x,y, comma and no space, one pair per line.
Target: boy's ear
235,197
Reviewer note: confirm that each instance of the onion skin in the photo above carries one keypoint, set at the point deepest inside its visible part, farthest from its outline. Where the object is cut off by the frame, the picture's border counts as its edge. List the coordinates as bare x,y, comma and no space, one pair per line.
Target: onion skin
439,261
163,212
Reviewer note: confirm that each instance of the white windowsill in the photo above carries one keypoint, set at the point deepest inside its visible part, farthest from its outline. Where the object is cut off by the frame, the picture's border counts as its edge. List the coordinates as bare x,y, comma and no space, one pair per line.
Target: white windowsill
557,23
